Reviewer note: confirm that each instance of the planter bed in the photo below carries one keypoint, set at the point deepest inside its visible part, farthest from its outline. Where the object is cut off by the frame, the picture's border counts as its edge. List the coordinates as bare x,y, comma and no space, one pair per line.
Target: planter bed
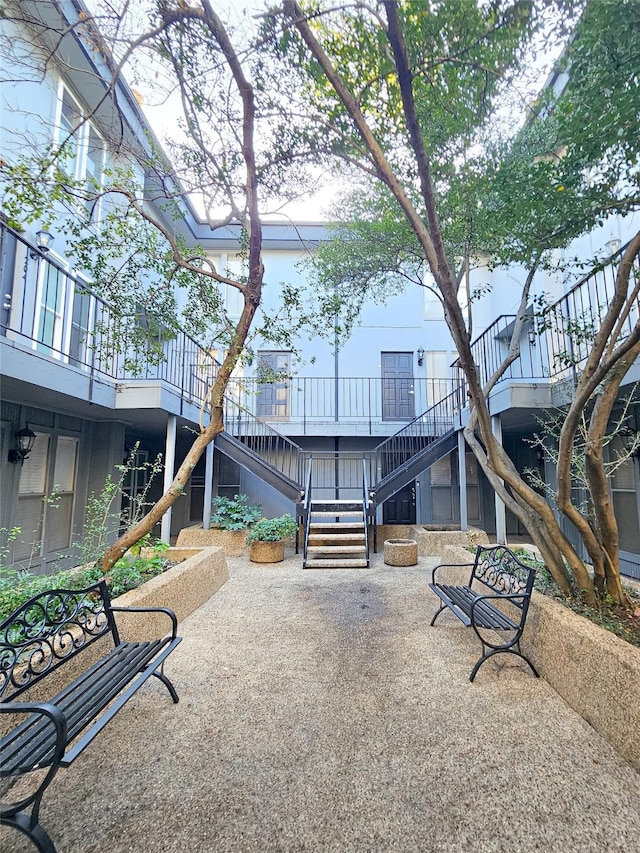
233,541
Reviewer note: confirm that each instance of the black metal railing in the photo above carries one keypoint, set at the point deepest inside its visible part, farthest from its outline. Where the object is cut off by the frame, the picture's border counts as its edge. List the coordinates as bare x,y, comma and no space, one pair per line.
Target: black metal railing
276,449
419,434
556,344
56,313
307,400
571,323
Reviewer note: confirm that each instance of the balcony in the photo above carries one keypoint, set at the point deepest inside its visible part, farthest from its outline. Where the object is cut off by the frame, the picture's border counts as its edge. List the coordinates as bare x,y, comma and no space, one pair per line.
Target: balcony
81,343
325,406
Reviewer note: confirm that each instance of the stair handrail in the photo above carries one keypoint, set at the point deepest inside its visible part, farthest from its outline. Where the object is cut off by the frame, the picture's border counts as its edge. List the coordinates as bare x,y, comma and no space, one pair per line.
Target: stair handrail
306,508
260,429
440,417
365,506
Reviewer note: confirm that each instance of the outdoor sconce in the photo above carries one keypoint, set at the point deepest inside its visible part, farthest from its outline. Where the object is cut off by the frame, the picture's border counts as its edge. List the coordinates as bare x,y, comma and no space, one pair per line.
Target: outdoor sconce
420,357
25,439
43,243
613,245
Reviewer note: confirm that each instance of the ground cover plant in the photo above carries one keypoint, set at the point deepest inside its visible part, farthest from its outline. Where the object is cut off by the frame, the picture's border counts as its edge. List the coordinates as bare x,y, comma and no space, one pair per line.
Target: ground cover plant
607,613
128,573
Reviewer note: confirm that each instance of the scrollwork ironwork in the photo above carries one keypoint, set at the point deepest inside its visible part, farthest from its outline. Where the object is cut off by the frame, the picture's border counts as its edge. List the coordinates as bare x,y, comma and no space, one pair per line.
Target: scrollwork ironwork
500,570
46,630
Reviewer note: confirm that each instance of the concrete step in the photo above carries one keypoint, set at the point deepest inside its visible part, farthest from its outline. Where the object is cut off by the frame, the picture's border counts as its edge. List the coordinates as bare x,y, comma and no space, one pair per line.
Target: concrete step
336,564
337,537
336,525
336,549
337,513
337,505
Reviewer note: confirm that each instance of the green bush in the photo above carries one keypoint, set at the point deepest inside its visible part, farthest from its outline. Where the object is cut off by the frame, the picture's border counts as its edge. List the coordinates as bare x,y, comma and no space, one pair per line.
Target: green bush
272,529
235,513
128,573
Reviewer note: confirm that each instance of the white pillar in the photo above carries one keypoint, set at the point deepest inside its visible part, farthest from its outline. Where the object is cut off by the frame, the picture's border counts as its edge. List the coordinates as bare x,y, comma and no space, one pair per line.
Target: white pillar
208,487
501,513
169,466
462,477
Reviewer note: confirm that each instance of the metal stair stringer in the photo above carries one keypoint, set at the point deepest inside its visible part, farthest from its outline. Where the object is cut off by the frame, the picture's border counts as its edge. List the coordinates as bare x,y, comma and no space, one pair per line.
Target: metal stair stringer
253,462
401,476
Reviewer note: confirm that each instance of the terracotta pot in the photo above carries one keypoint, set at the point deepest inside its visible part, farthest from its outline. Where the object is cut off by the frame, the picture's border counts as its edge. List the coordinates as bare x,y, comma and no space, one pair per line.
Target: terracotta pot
266,552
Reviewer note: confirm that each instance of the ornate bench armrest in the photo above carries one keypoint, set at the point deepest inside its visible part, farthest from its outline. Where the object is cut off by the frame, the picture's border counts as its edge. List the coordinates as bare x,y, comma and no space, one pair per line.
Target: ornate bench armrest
450,566
166,610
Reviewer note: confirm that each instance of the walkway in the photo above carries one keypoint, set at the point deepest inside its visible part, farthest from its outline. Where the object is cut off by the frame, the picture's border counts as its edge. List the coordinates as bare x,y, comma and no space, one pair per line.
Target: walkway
319,712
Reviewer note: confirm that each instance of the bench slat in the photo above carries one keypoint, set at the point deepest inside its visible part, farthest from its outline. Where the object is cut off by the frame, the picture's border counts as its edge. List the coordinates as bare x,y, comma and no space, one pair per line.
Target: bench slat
31,743
486,615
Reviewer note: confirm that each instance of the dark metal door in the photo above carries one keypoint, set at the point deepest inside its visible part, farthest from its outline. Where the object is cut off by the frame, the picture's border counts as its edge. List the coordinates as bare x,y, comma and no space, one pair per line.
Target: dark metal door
397,386
401,508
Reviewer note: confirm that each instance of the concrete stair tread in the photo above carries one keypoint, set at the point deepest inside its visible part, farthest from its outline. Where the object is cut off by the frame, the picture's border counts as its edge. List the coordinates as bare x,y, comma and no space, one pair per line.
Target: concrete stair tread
337,537
336,549
336,525
335,513
336,564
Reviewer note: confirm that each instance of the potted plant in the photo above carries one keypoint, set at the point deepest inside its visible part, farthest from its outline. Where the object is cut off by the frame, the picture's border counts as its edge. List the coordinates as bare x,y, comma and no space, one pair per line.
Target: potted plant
266,538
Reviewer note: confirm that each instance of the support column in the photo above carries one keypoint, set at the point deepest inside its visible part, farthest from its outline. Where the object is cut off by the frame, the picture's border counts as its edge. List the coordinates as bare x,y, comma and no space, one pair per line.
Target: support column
501,512
208,486
169,466
462,478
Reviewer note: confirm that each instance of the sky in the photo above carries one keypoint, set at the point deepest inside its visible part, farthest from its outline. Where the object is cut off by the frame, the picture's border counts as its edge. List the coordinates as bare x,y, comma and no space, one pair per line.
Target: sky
163,115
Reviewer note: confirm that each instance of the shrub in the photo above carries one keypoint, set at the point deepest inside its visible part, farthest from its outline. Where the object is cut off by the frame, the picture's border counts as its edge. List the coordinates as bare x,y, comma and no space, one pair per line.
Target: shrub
272,529
235,513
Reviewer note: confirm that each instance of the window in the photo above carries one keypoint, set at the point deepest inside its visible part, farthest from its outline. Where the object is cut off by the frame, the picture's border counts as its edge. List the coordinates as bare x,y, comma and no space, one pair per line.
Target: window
46,524
85,151
80,327
52,285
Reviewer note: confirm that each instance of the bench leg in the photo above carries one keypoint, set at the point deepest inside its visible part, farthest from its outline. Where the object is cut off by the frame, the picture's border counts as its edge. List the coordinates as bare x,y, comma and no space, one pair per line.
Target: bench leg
30,827
493,651
442,607
167,682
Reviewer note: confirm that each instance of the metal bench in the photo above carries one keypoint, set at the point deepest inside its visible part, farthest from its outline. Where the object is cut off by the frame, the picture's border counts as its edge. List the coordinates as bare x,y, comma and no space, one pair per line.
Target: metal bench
495,599
39,638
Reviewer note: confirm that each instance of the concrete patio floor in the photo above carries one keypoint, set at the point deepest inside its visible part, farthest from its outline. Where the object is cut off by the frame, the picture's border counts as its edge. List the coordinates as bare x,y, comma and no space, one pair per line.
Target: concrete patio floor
320,712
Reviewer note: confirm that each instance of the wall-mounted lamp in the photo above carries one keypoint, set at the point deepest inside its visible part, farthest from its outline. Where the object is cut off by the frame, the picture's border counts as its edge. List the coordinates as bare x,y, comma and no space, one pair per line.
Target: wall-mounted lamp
44,241
420,357
613,245
25,439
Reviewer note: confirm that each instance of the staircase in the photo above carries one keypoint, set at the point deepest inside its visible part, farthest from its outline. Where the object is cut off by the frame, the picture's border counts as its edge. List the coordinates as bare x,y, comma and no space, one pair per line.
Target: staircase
336,536
337,529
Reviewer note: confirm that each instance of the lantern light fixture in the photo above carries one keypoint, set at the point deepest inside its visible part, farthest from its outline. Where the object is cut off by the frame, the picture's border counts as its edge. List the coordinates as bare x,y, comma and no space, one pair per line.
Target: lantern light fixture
44,241
25,439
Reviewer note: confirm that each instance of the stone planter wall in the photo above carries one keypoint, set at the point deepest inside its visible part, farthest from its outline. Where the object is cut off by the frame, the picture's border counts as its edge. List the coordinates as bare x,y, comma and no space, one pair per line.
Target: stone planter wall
595,672
183,589
233,541
432,542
